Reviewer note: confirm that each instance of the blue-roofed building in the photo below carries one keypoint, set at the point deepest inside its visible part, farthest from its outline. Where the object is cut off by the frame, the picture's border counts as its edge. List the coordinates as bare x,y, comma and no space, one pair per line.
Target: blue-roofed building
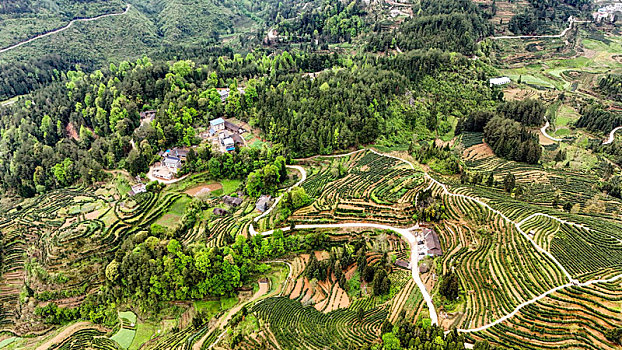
229,144
216,125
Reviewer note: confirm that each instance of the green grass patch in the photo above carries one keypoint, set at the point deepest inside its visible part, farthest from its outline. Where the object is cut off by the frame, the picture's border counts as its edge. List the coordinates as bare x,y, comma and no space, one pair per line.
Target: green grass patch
565,116
215,306
179,207
229,186
144,332
123,187
562,132
128,315
124,337
257,144
8,341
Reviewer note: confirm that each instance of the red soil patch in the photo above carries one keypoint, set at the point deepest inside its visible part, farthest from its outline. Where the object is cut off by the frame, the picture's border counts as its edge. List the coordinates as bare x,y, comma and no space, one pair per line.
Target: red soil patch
72,132
203,189
478,152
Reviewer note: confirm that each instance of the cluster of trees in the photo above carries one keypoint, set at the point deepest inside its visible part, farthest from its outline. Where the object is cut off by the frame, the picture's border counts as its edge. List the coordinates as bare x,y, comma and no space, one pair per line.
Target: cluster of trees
332,22
429,207
263,168
614,335
267,179
596,117
23,77
341,259
529,112
449,25
65,9
450,286
511,140
478,178
614,150
547,16
611,86
150,270
337,110
441,159
476,121
53,314
505,131
613,186
292,200
424,335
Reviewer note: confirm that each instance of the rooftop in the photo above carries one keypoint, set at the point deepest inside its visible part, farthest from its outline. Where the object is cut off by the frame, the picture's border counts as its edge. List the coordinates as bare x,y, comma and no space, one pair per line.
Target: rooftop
216,121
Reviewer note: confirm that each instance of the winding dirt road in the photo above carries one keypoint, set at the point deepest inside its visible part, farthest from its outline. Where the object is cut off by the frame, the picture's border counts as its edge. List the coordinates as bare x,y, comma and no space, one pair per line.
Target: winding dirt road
61,29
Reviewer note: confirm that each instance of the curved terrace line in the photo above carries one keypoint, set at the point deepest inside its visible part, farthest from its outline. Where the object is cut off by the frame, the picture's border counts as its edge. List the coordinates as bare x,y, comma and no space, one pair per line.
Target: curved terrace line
405,232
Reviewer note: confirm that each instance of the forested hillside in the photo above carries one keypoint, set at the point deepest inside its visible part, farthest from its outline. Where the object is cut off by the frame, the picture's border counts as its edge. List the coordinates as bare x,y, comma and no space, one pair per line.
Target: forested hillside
308,116
448,25
22,19
548,16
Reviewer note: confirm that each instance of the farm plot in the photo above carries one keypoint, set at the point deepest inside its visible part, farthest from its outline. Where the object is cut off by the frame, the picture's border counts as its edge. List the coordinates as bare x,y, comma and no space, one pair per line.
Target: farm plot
585,253
542,186
126,333
372,188
497,266
574,318
297,327
89,338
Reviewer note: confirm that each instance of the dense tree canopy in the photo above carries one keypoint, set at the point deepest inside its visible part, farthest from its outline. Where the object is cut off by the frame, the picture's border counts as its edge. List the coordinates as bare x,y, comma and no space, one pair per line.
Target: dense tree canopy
509,139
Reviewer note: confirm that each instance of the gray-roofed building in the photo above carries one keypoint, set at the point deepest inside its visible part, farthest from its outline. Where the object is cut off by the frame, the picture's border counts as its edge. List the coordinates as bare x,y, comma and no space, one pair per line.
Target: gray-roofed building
263,203
432,242
172,162
403,264
220,211
232,201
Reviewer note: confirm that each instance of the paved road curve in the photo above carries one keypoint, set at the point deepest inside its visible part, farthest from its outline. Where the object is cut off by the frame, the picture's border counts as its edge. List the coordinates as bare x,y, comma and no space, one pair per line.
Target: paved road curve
612,135
543,130
61,29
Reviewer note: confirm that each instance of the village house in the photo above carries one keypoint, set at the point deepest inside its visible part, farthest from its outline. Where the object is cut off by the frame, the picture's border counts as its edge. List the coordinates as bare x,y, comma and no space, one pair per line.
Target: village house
220,212
225,92
432,242
263,203
232,201
217,125
229,144
172,163
136,189
403,264
163,174
147,117
177,152
233,127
